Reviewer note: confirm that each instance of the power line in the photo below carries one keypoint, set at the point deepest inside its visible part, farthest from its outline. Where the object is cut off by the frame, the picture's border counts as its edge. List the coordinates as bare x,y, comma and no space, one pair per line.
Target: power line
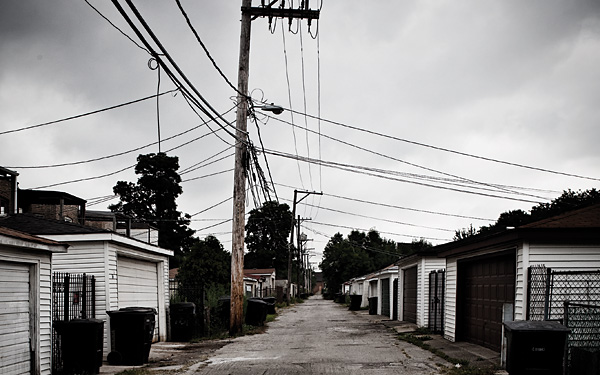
119,153
213,206
399,207
446,149
375,218
84,179
87,113
189,22
289,156
367,230
116,27
393,158
208,175
206,108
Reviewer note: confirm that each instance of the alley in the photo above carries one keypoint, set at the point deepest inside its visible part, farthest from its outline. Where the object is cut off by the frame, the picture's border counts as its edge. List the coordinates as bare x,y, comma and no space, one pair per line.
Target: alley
321,337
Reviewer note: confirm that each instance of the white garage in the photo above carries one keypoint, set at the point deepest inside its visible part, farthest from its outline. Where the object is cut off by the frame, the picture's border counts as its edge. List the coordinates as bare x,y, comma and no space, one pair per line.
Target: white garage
25,299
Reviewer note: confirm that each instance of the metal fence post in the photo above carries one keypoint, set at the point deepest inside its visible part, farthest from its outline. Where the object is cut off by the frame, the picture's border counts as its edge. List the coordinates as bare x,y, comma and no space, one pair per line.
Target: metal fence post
84,297
66,298
547,293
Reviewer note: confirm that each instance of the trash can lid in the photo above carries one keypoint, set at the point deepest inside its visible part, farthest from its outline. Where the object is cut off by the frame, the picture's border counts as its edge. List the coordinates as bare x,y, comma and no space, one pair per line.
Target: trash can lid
535,326
133,310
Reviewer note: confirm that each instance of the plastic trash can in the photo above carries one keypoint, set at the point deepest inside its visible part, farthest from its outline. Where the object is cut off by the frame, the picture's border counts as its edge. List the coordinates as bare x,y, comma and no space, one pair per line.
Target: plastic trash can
131,333
81,344
270,301
372,305
224,310
183,321
256,312
355,302
535,347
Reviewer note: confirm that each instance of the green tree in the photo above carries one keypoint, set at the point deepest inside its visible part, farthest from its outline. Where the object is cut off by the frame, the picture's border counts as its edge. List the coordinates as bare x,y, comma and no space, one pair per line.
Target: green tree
359,254
207,264
153,200
267,237
569,200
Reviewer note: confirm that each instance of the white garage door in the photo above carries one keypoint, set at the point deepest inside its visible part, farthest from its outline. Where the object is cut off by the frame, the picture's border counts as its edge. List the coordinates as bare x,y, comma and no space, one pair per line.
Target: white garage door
138,285
14,319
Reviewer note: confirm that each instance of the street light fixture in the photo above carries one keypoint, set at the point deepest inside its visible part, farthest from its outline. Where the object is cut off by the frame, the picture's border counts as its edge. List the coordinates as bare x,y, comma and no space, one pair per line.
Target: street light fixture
271,108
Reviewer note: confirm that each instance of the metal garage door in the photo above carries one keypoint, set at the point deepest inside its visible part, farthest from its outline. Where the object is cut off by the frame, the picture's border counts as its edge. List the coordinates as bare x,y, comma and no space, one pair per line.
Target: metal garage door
15,355
484,285
409,299
385,297
138,285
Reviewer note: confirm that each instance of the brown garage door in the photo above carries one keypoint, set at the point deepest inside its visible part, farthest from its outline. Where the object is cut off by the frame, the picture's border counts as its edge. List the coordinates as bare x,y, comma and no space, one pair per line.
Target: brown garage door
409,299
484,285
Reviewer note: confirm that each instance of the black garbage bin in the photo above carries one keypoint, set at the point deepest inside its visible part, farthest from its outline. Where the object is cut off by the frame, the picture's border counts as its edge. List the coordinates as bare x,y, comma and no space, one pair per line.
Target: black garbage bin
256,312
372,305
535,347
131,333
355,302
224,310
81,342
183,321
270,304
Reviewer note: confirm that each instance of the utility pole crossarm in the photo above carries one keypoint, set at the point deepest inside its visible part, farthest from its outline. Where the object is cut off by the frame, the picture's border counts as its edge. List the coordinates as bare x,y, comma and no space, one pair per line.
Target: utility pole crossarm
281,13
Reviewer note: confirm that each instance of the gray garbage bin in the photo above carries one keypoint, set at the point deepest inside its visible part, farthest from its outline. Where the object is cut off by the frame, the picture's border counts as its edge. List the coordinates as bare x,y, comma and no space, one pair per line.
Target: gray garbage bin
535,347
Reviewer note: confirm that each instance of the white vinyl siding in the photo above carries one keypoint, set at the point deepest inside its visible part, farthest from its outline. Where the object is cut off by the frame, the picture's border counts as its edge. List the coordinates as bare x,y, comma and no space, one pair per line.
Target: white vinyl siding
15,319
39,298
450,300
565,257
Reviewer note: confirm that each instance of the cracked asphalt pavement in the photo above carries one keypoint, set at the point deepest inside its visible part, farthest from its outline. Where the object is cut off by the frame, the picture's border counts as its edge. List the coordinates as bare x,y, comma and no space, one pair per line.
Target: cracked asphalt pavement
321,337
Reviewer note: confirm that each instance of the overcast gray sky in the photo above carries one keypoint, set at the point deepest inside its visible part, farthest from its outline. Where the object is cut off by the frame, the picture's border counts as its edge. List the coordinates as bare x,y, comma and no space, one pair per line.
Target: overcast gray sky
514,81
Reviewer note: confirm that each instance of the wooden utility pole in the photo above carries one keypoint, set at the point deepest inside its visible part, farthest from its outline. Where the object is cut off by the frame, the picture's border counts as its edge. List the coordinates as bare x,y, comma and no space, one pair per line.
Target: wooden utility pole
241,154
239,180
295,201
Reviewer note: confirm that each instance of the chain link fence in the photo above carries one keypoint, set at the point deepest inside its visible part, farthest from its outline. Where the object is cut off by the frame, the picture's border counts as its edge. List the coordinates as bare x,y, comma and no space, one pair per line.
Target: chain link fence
549,289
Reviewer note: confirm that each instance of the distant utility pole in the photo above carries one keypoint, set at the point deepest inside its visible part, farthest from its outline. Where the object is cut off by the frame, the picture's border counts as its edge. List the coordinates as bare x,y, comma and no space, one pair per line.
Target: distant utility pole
241,156
291,244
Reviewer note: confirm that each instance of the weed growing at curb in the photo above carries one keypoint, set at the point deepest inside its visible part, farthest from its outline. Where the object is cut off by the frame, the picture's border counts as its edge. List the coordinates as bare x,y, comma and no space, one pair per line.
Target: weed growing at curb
461,367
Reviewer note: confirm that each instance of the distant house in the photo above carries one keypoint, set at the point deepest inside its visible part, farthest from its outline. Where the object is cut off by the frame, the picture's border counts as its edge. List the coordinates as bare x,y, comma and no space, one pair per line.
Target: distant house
128,272
26,302
8,191
319,285
265,280
55,205
488,273
123,224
